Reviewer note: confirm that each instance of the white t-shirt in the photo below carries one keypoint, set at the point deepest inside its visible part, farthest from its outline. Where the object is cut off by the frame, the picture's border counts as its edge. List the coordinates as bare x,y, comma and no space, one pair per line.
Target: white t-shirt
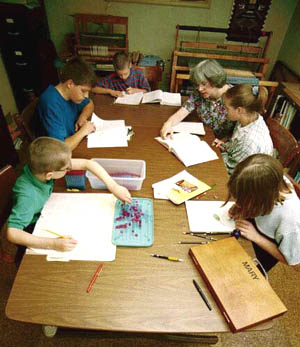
283,225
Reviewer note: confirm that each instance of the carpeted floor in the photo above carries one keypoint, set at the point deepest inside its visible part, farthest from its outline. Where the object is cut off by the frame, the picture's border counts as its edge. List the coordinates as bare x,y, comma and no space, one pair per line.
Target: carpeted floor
285,332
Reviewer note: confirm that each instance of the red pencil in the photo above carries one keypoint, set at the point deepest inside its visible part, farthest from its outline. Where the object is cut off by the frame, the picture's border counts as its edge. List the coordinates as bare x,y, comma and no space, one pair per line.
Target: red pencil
93,280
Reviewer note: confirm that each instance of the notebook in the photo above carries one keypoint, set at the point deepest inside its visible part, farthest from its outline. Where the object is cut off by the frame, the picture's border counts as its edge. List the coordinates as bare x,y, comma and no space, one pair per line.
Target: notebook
188,148
156,96
243,295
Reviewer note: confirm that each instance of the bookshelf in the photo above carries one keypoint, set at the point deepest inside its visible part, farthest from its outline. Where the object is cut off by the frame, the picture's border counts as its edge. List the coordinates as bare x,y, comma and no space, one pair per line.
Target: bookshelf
286,103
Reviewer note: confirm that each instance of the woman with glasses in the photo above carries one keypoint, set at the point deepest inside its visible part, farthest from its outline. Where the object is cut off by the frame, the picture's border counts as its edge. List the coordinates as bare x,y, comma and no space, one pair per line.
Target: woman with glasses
210,80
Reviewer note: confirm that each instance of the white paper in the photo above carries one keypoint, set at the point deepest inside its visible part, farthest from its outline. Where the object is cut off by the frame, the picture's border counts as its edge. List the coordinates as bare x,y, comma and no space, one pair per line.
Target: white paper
88,218
130,99
209,216
108,133
162,188
189,149
190,127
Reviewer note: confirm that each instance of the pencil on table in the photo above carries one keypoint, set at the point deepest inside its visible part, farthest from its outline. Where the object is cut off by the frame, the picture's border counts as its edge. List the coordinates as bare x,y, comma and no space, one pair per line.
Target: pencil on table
56,234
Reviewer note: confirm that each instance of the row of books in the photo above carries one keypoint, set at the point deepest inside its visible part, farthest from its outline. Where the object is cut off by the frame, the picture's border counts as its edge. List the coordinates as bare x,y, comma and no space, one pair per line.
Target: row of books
285,110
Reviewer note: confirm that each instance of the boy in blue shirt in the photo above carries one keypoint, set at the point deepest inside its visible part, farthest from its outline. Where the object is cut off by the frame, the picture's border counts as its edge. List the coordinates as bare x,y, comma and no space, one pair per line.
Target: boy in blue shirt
64,109
125,78
49,159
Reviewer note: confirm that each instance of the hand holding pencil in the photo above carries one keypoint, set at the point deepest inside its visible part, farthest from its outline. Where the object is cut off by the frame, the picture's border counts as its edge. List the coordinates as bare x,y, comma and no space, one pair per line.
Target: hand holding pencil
62,243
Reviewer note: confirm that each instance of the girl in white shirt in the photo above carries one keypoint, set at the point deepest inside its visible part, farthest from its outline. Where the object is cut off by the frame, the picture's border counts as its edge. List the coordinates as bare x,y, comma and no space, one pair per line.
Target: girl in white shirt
266,210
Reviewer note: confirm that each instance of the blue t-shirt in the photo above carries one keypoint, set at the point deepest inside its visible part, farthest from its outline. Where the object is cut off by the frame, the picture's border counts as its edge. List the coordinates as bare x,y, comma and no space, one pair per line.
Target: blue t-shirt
57,116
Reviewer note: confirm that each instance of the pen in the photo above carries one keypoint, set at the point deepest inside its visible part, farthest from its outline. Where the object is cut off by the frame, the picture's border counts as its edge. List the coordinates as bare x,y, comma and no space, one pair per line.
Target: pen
93,280
166,257
192,242
202,294
56,234
198,235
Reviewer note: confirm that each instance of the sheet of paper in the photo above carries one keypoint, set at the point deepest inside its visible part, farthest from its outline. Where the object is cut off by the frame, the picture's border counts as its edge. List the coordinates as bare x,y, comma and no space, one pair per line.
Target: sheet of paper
209,216
190,127
108,133
162,188
130,99
88,218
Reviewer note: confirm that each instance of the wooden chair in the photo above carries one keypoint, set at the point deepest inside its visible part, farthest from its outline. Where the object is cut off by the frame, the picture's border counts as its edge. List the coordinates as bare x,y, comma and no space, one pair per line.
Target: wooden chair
25,121
295,185
285,143
7,181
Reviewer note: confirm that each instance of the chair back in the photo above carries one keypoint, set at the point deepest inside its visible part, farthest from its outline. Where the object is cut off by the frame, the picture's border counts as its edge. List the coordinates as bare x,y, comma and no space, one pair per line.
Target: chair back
7,181
295,185
25,121
285,143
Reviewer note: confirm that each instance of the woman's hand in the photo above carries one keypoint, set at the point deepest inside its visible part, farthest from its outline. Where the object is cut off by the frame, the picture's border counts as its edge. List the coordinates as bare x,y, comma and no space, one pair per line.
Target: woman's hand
218,144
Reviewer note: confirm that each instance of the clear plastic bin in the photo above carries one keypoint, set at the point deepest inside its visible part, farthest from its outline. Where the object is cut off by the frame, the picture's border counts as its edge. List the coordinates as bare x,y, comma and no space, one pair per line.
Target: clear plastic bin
126,172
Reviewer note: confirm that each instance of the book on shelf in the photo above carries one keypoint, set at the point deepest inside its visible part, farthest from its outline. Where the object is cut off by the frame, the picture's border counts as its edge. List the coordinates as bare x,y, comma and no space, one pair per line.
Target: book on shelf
189,149
244,297
297,177
156,96
284,110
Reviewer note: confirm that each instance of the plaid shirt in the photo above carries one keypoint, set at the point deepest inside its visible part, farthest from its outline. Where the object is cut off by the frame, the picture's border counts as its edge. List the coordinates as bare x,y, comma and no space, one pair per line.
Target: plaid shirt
210,112
136,79
251,139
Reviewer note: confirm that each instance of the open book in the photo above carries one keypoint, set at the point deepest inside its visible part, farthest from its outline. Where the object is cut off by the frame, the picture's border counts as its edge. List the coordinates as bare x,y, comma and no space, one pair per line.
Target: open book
164,98
189,127
188,148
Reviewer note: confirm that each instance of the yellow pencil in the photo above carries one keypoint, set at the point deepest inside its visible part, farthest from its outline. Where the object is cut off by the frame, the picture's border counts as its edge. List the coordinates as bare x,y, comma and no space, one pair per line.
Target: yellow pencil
54,233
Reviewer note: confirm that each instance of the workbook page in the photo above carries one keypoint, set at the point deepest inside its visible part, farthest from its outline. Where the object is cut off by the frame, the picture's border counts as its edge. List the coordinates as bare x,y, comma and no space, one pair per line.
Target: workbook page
88,218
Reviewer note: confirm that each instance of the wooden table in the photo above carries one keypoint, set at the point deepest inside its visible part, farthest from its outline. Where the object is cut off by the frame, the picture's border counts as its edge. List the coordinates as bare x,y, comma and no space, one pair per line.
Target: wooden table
136,292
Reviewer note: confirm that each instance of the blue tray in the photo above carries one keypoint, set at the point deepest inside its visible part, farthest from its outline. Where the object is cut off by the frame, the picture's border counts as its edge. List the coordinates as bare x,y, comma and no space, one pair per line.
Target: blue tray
133,224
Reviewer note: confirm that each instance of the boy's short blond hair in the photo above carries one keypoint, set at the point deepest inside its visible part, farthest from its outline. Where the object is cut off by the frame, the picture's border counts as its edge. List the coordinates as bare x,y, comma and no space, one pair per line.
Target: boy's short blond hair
47,154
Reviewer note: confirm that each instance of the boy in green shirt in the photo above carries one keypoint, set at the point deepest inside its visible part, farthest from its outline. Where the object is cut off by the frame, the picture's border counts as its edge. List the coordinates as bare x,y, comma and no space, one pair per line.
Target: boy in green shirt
49,159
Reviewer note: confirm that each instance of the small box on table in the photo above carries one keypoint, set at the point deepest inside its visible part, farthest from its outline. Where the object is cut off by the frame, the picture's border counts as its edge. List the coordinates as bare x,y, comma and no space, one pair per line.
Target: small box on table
126,172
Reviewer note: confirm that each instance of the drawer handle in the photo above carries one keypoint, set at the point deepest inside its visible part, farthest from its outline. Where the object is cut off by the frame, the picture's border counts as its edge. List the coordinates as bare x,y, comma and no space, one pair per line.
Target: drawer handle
21,64
14,34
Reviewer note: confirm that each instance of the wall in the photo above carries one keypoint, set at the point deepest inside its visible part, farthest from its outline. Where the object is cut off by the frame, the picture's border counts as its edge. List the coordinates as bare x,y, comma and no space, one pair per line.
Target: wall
290,49
152,28
7,100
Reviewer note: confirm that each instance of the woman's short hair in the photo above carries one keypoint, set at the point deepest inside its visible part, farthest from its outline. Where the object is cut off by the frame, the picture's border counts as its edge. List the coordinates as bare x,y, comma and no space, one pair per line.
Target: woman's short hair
48,154
209,71
256,185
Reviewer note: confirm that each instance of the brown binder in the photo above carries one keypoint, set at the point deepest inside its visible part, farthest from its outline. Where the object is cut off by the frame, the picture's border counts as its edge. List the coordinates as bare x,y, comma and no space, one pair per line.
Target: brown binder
243,295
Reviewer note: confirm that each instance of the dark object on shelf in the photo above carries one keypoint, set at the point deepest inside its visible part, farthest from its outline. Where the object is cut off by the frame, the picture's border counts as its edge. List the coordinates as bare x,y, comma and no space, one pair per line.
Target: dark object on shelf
27,51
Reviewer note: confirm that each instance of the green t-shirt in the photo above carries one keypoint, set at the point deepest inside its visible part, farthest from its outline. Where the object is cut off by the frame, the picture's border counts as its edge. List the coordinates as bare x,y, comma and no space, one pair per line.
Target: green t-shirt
29,198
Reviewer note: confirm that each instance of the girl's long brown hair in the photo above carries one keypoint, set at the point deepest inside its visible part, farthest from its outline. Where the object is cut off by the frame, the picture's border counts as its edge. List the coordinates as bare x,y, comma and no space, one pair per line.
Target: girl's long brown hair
256,185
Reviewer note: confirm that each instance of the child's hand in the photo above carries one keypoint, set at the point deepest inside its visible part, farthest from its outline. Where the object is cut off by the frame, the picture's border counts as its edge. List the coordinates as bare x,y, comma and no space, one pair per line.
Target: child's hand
65,244
116,93
88,128
247,229
79,123
218,144
121,193
132,90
